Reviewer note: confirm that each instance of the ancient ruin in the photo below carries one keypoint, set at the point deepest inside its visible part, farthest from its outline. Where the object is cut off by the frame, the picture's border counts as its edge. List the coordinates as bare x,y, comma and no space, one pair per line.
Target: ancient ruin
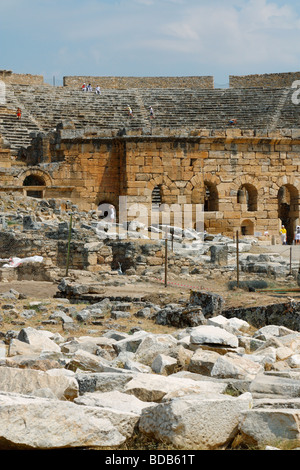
84,147
142,277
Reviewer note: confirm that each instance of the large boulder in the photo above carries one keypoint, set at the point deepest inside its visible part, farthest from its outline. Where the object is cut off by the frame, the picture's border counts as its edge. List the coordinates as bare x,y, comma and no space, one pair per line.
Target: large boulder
269,426
40,423
30,381
195,422
212,335
155,388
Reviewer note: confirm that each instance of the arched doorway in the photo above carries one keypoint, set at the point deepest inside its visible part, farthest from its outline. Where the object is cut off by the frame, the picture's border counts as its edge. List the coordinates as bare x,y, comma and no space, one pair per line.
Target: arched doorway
288,209
247,194
211,198
36,184
156,197
247,227
106,211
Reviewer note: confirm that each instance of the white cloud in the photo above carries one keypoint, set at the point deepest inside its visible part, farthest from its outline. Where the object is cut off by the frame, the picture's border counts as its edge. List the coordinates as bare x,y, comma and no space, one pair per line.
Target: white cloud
135,36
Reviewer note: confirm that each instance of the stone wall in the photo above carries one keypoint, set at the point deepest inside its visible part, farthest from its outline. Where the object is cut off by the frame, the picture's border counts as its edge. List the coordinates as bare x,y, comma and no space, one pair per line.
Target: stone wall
268,80
8,76
140,82
216,169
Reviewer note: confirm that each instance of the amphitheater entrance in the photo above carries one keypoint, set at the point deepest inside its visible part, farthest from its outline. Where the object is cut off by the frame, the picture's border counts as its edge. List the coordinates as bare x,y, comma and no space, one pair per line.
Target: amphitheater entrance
288,209
36,184
247,227
211,198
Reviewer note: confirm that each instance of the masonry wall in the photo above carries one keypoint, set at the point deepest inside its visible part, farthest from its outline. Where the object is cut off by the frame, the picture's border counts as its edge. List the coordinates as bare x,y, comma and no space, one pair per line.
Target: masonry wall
271,80
140,82
224,161
20,79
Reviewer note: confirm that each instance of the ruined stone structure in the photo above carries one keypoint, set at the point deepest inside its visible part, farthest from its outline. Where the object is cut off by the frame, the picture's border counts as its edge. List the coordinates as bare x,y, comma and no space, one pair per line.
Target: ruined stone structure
84,147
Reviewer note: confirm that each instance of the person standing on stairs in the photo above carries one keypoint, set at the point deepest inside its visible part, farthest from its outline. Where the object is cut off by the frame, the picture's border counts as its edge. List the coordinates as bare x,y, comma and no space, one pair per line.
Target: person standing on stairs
130,113
19,114
98,90
151,112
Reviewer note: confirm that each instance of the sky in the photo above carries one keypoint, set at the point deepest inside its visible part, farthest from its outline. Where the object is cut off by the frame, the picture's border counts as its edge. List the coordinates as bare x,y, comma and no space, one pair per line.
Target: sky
149,37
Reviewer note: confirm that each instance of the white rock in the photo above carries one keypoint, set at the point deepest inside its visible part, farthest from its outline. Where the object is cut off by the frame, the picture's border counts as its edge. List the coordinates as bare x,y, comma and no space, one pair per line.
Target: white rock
233,366
39,423
26,381
116,400
163,364
38,339
268,426
154,388
152,345
195,422
213,335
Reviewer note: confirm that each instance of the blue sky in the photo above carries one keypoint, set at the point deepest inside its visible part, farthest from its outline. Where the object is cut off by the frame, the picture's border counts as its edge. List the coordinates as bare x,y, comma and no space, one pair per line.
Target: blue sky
149,37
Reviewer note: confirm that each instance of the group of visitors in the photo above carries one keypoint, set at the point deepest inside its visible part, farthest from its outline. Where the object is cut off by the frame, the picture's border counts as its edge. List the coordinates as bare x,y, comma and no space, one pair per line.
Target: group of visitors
283,235
89,88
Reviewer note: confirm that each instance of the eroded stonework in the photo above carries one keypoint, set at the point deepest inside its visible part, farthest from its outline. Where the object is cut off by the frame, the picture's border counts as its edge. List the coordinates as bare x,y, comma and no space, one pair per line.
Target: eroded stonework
243,178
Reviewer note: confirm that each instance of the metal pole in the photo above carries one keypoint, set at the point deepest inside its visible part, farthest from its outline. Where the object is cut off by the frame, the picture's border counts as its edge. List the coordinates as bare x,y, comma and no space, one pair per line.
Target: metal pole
290,260
237,260
69,243
166,262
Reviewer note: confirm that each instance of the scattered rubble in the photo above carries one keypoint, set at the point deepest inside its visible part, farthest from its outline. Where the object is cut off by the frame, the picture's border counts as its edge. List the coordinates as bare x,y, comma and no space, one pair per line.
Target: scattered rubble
215,376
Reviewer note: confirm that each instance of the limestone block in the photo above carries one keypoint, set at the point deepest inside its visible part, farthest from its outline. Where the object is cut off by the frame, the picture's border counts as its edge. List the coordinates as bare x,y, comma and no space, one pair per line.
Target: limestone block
52,424
29,381
269,426
201,422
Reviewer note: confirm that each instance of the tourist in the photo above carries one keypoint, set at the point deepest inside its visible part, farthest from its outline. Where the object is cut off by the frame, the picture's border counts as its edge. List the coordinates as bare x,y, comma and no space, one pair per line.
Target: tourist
83,87
19,114
112,214
232,122
98,90
151,112
297,235
282,232
130,113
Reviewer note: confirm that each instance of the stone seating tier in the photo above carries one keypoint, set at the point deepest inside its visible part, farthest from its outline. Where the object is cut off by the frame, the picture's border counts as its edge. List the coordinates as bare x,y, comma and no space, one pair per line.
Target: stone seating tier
43,107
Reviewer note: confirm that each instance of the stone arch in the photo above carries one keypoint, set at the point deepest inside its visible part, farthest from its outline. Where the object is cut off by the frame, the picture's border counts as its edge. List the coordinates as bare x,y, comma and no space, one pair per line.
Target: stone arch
288,208
37,174
211,197
35,182
156,197
248,194
200,186
104,209
168,189
247,227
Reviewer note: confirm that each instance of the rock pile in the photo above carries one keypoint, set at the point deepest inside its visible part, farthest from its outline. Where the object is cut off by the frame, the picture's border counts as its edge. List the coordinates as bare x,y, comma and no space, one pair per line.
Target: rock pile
201,387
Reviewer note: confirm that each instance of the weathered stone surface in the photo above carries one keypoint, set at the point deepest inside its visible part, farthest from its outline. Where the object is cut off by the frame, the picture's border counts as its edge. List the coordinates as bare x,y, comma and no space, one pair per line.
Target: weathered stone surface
53,424
195,421
115,400
212,335
152,345
235,366
163,364
155,388
203,361
270,426
27,381
38,339
270,385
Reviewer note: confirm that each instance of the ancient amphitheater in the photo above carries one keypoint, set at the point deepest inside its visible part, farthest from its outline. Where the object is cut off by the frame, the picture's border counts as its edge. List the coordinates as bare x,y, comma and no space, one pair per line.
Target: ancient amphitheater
84,147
